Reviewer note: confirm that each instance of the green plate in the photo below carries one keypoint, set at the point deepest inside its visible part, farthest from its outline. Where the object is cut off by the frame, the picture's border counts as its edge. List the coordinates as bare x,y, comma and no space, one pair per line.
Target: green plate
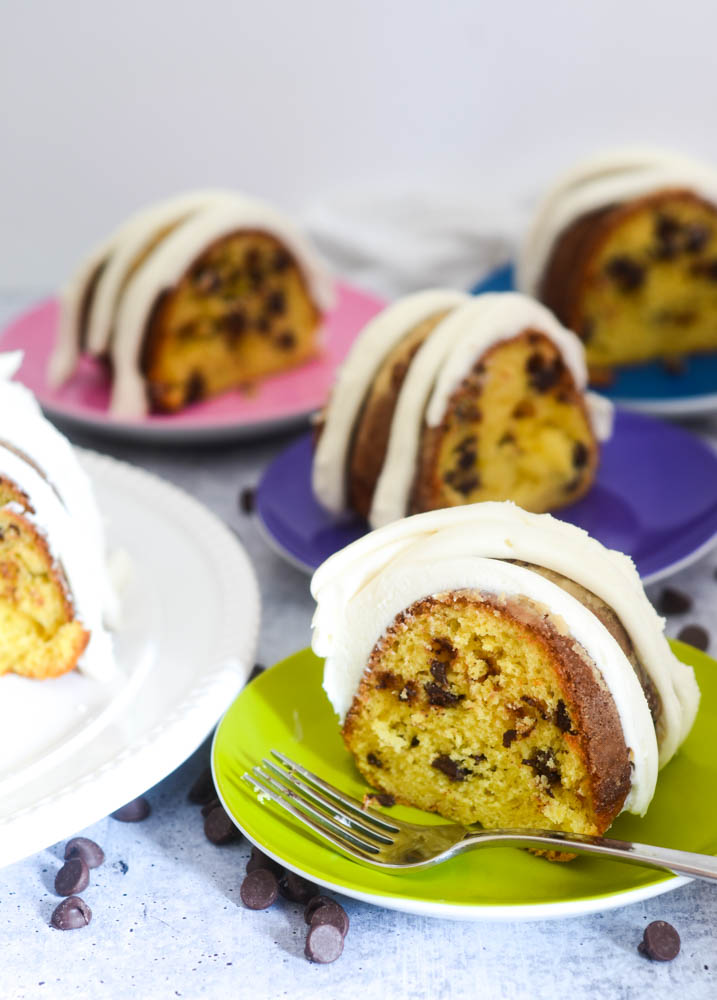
286,709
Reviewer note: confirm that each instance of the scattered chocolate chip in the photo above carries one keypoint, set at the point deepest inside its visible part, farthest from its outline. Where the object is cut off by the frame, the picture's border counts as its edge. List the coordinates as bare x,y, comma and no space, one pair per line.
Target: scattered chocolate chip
134,811
247,500
660,942
674,602
70,914
324,944
695,636
218,827
509,736
580,455
211,804
82,847
296,889
562,719
627,274
451,768
331,912
258,860
414,741
314,903
373,760
74,876
544,764
259,889
441,698
202,790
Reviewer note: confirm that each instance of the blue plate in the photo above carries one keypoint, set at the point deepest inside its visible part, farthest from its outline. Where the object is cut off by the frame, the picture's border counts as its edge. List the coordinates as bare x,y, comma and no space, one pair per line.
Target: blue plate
655,498
647,387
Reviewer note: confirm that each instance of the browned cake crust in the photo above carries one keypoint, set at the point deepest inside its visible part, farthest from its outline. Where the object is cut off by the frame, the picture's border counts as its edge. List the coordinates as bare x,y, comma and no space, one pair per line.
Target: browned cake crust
241,319
563,283
551,377
591,726
369,443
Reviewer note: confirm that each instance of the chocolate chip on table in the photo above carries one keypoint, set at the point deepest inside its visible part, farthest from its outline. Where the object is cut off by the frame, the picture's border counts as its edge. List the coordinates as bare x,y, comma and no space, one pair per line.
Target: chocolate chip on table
134,811
218,827
70,914
674,602
259,889
660,942
331,913
208,806
314,904
202,790
82,847
324,944
258,861
74,876
296,889
695,636
247,498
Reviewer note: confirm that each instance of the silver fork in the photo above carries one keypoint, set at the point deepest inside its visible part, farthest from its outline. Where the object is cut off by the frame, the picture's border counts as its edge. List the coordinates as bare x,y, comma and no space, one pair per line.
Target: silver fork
381,841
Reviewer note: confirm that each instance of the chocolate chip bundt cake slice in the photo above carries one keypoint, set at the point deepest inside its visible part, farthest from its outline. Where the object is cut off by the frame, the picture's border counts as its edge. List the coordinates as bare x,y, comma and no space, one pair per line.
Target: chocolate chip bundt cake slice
200,294
501,668
624,251
464,401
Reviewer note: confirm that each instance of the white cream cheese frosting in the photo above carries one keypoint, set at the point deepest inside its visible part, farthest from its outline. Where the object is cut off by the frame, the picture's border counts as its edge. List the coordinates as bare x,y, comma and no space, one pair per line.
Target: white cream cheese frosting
360,590
608,179
40,460
354,379
442,362
167,264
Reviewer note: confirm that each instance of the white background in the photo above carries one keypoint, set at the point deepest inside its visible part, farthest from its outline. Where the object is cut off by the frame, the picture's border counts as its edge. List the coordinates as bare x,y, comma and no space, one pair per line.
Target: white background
106,105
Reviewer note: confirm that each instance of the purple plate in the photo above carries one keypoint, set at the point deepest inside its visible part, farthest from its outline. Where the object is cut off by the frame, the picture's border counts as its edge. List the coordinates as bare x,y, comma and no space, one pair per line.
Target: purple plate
655,498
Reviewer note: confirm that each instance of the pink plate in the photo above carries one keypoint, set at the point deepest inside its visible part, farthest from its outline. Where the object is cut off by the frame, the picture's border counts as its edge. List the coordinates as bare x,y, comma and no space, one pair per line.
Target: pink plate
277,403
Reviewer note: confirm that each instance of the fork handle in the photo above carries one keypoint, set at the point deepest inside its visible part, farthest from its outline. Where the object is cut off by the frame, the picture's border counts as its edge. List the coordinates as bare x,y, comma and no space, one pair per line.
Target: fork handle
699,866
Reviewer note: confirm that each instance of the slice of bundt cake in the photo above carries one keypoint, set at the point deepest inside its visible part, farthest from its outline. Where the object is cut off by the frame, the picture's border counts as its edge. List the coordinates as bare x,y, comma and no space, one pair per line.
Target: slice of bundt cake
449,400
624,251
202,293
55,593
500,667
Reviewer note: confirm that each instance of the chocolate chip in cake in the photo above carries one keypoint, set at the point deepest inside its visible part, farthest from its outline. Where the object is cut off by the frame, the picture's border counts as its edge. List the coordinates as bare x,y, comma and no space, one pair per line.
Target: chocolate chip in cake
525,408
673,602
467,412
259,860
668,234
70,914
507,438
451,768
695,636
247,500
262,324
478,757
276,302
386,681
627,274
580,455
82,847
543,372
256,277
379,798
186,331
705,269
438,671
206,280
324,944
281,260
202,789
234,323
373,760
408,692
660,942
218,827
286,340
562,718
537,703
467,459
545,766
332,913
509,736
296,889
443,646
259,889
74,876
134,811
440,697
195,389
696,237
414,741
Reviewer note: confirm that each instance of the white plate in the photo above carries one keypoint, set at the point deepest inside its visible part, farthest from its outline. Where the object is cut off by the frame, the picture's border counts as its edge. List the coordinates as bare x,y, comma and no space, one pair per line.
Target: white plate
190,618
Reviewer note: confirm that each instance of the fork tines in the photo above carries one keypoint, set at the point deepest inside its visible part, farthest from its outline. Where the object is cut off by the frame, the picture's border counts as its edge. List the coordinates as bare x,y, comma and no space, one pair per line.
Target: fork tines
329,812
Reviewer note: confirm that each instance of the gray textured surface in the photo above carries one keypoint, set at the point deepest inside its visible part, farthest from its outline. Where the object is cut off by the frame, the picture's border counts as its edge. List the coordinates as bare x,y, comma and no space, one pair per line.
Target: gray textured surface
172,924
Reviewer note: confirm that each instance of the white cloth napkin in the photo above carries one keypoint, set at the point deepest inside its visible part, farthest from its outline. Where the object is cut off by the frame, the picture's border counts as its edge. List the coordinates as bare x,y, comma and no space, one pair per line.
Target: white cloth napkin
393,241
